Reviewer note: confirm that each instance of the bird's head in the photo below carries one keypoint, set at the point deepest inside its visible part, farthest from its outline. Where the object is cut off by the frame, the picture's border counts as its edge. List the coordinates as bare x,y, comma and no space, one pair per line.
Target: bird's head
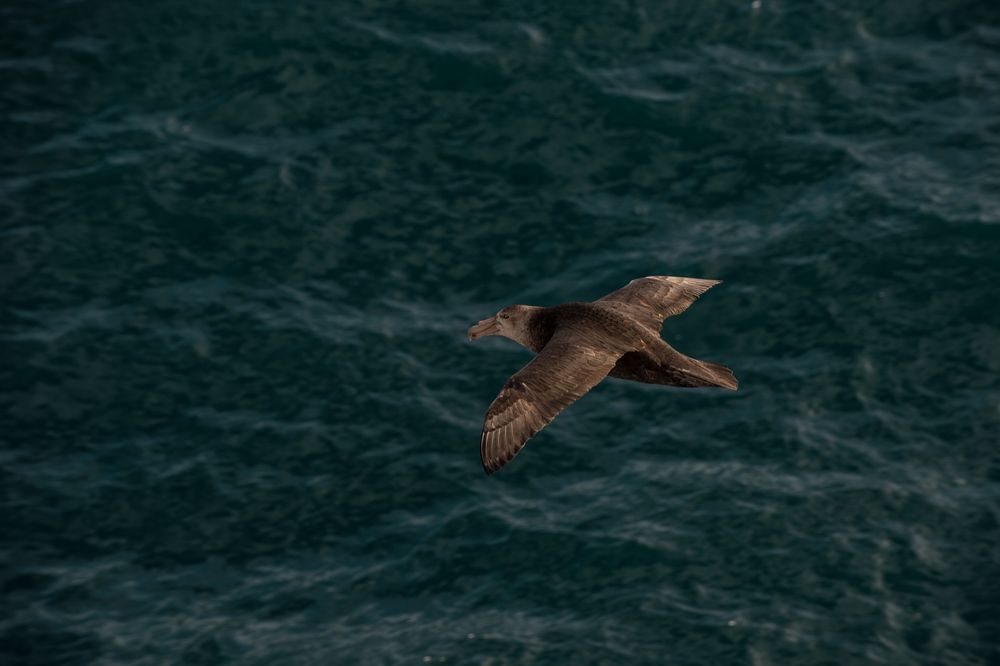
509,323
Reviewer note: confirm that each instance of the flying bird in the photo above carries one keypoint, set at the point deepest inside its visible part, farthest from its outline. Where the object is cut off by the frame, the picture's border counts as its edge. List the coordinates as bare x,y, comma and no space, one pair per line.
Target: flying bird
579,344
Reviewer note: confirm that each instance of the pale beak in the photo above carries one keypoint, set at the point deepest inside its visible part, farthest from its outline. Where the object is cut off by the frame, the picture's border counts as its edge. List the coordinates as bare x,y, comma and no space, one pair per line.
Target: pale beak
486,327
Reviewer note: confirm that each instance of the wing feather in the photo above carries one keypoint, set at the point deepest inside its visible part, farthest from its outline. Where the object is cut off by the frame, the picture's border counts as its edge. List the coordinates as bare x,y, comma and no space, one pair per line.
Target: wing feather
560,374
652,299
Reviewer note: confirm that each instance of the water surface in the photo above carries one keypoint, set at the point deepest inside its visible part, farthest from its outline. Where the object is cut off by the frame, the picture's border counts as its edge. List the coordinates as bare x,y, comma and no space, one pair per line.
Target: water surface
241,246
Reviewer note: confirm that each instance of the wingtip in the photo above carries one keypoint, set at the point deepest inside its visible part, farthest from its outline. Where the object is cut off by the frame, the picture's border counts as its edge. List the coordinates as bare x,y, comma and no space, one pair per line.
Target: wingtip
700,285
732,384
708,283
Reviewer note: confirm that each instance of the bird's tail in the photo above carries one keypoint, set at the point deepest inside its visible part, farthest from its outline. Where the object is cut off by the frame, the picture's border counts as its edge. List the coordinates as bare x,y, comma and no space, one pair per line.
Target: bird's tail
666,365
682,370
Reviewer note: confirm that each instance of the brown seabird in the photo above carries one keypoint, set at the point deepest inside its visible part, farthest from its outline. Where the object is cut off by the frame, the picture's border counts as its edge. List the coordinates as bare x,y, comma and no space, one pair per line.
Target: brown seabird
578,345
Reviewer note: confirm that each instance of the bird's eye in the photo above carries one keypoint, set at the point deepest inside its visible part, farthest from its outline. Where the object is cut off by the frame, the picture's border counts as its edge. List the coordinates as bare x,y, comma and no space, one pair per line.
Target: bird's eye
505,316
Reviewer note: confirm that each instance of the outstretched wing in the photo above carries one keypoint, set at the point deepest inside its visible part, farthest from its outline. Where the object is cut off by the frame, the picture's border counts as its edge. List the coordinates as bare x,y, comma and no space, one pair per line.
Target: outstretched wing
563,371
652,299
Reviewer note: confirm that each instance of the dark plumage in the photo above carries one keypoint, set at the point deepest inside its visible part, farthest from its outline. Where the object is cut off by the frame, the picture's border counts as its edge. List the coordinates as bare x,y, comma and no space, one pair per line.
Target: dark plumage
577,345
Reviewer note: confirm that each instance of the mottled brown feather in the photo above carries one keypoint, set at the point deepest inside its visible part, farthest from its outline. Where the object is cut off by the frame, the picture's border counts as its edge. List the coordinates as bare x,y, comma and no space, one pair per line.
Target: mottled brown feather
652,299
563,371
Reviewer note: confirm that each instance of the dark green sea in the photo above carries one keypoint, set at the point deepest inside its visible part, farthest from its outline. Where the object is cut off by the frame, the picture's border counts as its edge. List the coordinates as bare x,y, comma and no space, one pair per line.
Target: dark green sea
241,244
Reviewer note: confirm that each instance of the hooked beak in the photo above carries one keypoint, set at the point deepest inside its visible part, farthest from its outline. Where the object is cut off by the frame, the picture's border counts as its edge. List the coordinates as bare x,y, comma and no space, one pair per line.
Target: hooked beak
488,326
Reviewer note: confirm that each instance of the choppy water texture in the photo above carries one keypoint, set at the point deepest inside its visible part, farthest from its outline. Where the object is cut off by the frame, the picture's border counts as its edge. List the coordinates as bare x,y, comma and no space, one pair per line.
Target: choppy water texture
241,244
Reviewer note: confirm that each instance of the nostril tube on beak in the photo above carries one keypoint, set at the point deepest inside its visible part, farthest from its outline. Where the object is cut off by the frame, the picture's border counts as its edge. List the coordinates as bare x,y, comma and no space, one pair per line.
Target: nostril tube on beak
485,327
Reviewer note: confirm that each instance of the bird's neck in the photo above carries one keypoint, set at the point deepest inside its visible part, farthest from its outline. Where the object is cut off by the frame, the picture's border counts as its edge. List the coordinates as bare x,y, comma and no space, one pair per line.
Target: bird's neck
536,329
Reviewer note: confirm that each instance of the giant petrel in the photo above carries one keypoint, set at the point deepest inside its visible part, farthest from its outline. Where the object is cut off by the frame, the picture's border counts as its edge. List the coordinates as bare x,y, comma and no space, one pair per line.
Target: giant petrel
578,345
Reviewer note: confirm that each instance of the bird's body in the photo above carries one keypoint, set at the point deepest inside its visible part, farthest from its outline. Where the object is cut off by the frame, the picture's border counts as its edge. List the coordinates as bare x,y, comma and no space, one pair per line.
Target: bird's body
577,345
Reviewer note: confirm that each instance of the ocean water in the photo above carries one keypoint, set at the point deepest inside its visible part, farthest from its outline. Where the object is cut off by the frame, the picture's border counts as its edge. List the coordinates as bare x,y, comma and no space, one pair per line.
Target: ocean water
242,243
